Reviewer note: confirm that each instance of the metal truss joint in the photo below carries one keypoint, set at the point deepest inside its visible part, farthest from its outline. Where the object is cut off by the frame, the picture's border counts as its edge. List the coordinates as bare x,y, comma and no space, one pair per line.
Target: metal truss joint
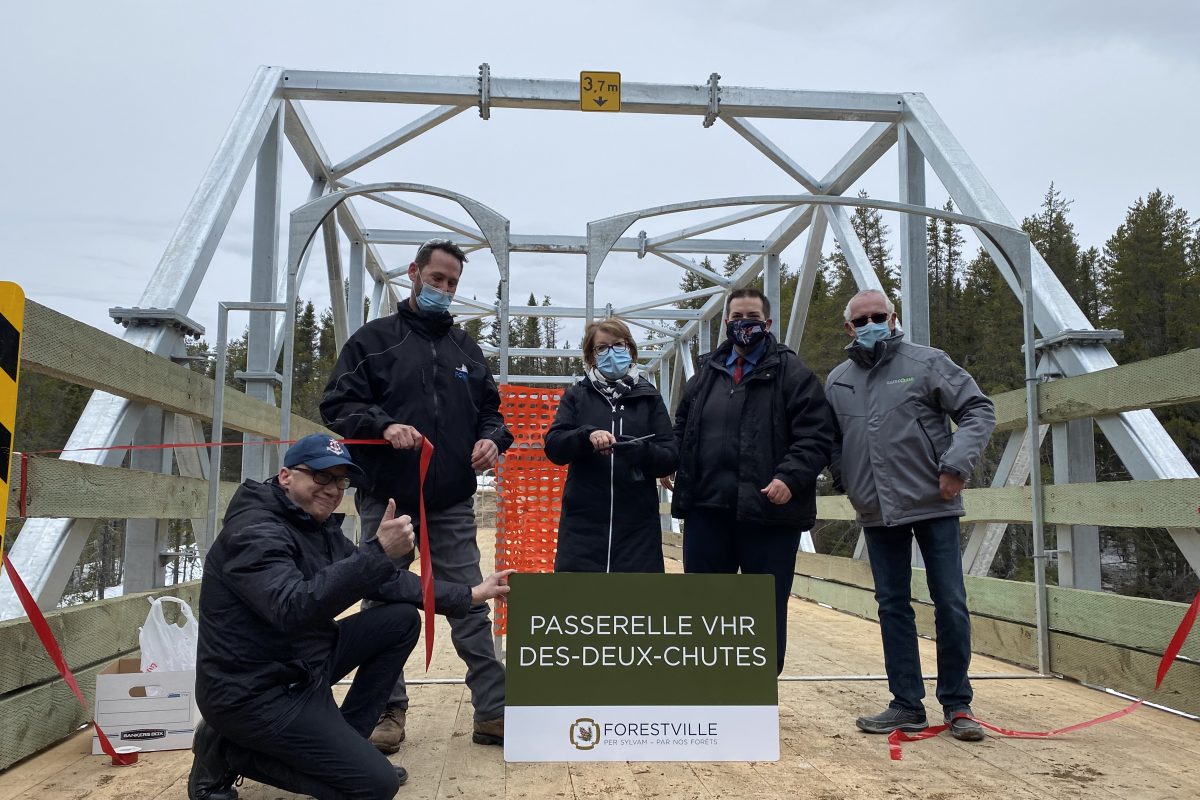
269,375
485,91
714,100
641,244
155,318
1070,338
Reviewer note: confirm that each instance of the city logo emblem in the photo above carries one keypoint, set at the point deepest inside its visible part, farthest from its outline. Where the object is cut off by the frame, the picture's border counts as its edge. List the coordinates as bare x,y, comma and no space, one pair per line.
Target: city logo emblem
585,733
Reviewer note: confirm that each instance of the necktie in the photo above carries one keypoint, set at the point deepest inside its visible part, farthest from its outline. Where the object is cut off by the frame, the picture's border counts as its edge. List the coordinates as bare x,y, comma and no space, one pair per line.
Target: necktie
739,367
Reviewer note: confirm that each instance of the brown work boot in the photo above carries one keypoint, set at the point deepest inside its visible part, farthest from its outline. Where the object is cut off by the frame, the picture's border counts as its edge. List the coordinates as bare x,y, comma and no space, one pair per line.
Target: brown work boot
389,731
489,731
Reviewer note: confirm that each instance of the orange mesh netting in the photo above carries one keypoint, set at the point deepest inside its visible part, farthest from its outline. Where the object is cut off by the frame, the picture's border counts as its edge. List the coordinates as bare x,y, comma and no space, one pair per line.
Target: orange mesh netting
528,487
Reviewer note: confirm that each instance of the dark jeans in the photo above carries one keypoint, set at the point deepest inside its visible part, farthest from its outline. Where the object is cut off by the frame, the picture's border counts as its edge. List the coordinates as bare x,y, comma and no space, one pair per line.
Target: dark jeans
715,542
890,550
455,559
324,751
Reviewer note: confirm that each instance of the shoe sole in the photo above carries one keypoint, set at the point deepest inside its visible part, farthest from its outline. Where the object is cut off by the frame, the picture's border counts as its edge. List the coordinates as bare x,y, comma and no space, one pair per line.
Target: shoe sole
483,738
388,749
968,736
907,727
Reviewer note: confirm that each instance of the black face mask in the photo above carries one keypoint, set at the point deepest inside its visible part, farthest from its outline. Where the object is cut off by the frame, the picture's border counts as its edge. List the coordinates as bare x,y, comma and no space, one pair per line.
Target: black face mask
746,332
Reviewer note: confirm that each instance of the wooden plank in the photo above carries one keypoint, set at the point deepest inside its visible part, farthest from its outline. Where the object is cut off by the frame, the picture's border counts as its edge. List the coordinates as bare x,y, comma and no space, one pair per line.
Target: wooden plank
993,637
1152,383
57,488
1135,622
1125,670
37,718
57,345
44,768
1132,504
90,633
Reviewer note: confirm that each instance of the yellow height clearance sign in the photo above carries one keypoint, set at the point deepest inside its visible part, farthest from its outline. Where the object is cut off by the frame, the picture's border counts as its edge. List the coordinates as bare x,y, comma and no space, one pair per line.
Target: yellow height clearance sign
599,91
12,318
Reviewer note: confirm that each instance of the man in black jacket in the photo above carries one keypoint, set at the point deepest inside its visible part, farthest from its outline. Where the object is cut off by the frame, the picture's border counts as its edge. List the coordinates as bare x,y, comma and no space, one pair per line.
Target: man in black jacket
404,378
754,432
270,645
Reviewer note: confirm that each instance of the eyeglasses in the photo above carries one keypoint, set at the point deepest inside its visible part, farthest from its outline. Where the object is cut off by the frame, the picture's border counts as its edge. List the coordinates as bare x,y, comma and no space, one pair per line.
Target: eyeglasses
619,347
322,478
858,322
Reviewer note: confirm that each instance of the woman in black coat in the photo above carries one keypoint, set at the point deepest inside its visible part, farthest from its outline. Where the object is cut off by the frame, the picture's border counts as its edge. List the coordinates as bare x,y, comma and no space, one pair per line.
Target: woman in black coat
614,431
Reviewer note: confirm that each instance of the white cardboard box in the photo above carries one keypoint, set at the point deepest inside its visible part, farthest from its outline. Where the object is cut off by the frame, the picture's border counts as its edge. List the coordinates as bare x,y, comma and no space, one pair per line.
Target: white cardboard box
150,710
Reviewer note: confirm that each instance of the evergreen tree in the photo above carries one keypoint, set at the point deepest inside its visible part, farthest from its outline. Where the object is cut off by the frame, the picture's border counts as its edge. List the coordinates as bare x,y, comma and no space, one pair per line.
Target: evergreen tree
1151,262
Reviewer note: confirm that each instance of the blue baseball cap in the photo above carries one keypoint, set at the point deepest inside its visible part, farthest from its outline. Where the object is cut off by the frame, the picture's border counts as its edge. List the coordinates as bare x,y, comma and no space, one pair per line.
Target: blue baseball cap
320,451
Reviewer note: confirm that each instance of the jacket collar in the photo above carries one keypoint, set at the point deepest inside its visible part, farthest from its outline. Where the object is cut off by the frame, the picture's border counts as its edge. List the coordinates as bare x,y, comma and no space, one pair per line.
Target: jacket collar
881,353
427,326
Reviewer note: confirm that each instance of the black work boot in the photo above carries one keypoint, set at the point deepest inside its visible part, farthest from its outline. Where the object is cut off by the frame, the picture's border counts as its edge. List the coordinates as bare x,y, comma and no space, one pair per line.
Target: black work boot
211,777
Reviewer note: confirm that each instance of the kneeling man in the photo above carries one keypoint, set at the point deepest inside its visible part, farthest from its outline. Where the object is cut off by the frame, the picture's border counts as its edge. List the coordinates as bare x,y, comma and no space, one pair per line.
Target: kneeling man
271,648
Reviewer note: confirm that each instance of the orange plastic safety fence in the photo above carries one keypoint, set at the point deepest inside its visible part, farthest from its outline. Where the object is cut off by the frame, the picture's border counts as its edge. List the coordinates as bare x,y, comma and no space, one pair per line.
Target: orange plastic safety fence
528,487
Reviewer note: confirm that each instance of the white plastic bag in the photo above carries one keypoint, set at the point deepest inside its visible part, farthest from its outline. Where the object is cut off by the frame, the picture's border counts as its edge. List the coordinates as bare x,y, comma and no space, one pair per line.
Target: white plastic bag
166,646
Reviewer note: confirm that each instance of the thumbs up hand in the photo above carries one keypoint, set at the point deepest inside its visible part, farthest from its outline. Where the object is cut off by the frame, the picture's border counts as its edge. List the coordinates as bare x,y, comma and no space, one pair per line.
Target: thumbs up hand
395,534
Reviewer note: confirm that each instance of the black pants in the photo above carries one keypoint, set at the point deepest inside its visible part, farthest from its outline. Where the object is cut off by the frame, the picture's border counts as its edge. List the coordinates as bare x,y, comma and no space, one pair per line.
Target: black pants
324,751
715,542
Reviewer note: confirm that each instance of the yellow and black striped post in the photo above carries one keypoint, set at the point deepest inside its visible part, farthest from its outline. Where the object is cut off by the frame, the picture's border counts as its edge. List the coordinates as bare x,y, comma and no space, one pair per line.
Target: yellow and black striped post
12,317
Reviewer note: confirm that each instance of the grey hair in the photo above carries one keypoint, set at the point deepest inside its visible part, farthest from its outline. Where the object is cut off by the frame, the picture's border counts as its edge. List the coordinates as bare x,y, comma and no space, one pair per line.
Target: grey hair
891,307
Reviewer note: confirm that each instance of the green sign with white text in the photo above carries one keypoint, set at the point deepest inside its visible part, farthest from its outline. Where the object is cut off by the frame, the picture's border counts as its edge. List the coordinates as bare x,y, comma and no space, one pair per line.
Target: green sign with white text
641,667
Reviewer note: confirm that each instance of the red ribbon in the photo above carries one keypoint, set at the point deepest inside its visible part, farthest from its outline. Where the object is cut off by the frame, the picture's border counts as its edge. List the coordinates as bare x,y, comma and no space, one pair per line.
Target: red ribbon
1168,658
52,649
427,597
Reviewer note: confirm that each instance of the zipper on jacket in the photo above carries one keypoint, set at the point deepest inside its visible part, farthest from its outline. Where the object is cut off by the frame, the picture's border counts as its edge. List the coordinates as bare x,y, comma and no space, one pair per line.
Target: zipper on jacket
844,385
612,480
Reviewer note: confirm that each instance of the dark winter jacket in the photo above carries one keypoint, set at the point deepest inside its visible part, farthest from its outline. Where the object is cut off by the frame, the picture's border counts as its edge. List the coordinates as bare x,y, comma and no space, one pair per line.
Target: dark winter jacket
273,583
610,520
780,427
427,373
893,408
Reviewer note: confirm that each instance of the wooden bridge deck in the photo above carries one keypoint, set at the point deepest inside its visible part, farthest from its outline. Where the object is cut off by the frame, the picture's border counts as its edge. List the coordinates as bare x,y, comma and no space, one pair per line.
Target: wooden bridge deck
1148,754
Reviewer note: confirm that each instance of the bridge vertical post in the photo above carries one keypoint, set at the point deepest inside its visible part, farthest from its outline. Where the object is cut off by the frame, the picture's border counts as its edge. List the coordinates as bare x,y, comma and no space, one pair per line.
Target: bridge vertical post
914,267
145,539
1078,545
771,288
260,376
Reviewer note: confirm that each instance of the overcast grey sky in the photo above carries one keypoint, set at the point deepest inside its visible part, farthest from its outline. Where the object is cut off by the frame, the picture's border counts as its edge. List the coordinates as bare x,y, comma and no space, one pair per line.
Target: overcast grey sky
114,110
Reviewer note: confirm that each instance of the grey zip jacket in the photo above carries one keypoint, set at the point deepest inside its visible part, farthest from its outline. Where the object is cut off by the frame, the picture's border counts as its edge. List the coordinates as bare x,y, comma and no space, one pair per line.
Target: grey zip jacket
893,409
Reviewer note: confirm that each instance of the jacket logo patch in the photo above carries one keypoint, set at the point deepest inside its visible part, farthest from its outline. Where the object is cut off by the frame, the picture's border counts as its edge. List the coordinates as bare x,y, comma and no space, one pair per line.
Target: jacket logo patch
893,382
461,372
335,447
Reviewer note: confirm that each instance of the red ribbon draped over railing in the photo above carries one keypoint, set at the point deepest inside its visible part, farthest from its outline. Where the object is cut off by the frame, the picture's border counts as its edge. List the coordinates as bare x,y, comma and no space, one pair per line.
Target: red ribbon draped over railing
1168,658
38,620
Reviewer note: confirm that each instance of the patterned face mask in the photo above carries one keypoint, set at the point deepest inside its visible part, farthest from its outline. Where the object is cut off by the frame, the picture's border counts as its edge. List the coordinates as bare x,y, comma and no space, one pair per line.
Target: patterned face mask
746,332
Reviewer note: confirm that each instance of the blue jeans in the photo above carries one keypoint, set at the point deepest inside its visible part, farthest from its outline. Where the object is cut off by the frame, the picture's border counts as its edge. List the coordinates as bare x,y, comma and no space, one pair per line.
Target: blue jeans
890,550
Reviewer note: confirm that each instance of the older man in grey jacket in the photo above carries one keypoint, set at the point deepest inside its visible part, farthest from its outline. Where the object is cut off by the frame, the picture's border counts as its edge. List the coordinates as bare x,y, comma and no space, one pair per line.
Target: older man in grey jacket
903,470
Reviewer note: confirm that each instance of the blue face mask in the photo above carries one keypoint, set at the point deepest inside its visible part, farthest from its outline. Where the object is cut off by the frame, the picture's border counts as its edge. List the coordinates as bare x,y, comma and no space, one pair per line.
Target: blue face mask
871,333
614,364
433,302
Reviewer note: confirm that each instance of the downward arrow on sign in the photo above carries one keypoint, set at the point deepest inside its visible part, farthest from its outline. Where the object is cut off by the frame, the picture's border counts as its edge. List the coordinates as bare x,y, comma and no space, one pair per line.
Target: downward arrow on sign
600,101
